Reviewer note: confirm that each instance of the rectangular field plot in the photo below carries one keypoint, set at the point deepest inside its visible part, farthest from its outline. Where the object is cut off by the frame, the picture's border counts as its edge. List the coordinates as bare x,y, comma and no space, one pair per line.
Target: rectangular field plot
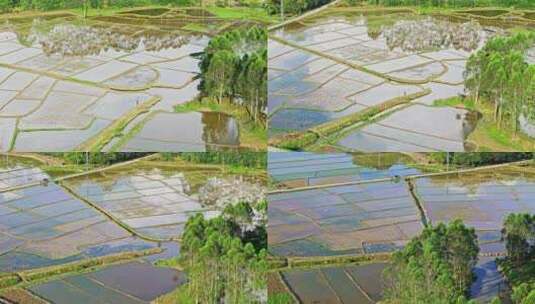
152,203
360,218
482,199
58,95
19,175
313,169
132,283
45,225
349,284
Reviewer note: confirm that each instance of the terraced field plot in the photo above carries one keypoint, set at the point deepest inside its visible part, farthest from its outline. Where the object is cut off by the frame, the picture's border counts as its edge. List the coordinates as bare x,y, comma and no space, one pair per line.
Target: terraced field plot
45,225
482,200
59,92
373,215
359,218
347,61
154,203
128,216
303,168
349,284
131,283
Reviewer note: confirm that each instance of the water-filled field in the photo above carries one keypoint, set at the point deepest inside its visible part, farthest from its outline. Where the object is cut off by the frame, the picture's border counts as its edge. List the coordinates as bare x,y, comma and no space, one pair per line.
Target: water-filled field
349,284
313,169
378,211
481,199
45,225
344,61
131,283
65,81
358,218
152,202
112,225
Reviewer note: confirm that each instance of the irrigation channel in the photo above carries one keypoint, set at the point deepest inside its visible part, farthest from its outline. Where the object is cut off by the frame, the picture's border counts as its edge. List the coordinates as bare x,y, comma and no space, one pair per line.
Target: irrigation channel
334,219
94,237
366,79
107,83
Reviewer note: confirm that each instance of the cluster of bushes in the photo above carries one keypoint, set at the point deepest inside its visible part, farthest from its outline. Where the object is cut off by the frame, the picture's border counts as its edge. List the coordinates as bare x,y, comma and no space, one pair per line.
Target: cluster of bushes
451,3
293,7
234,69
468,159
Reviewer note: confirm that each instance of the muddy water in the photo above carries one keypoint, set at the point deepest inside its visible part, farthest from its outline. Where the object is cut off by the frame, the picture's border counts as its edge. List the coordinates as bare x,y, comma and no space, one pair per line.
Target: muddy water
192,131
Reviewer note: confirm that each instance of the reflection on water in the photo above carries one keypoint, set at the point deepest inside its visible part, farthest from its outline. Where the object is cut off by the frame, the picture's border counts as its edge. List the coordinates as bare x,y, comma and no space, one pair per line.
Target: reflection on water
69,39
430,34
220,129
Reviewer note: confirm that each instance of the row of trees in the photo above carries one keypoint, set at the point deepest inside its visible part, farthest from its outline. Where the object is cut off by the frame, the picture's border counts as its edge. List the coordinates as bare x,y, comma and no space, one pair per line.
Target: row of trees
225,262
96,158
234,69
293,7
46,5
435,267
499,74
451,3
469,159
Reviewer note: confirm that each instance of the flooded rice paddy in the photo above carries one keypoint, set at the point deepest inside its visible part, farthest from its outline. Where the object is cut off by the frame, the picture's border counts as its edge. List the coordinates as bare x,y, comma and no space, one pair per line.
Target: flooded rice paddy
131,283
359,218
46,225
64,81
349,284
341,62
379,211
130,208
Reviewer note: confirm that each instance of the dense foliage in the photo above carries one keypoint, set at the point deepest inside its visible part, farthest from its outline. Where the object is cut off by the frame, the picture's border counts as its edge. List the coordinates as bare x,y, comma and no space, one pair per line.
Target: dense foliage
225,257
435,267
294,7
243,159
501,75
465,159
452,3
234,68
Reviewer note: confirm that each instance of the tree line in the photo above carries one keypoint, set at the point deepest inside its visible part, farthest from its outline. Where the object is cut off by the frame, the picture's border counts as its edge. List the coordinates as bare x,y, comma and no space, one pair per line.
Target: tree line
243,159
472,159
234,69
450,3
46,5
500,74
224,262
96,158
293,7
